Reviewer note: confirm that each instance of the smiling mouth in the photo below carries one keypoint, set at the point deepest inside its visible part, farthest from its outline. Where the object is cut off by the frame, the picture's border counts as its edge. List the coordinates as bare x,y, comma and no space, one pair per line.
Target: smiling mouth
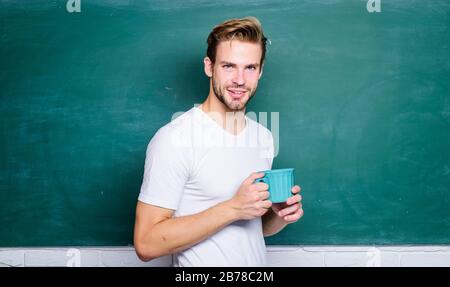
236,94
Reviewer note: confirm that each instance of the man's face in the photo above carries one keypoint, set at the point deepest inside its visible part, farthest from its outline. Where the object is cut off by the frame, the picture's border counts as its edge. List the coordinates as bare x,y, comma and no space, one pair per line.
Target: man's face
236,72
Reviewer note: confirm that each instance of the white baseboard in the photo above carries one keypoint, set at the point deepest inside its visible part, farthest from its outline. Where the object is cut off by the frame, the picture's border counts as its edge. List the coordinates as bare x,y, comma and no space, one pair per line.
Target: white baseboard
292,256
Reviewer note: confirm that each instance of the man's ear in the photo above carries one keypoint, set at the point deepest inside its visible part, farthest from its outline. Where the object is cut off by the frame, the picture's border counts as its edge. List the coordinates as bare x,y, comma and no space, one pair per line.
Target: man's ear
208,66
261,72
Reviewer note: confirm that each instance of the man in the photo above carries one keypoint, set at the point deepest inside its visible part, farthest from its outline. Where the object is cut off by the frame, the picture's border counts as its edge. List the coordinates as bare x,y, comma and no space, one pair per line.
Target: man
199,200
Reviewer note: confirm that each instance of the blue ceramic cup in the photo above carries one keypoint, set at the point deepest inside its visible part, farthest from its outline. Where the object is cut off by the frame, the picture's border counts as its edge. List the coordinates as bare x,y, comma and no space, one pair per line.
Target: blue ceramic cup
280,182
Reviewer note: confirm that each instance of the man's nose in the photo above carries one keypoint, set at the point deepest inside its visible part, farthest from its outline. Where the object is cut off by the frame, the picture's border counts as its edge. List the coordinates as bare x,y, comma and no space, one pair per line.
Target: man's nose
239,78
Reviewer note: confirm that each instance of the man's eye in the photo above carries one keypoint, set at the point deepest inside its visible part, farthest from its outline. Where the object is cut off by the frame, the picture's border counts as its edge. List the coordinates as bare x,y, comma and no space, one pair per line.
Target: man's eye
252,68
226,66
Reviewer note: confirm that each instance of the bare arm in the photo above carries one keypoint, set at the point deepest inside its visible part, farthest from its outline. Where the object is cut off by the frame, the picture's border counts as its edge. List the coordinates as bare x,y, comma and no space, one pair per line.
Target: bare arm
157,233
272,223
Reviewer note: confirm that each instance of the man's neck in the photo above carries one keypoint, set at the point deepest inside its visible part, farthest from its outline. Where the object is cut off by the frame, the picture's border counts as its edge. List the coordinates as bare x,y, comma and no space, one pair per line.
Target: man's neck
232,121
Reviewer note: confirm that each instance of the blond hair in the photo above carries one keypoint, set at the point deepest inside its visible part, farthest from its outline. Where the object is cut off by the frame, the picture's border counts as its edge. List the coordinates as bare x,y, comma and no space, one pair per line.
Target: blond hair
247,29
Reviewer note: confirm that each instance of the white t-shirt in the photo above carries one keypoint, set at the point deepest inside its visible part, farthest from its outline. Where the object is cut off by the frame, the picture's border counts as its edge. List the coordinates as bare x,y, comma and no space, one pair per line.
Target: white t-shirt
192,164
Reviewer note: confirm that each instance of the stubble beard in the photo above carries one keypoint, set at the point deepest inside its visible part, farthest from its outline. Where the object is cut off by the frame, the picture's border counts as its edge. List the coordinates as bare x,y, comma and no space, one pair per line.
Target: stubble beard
234,106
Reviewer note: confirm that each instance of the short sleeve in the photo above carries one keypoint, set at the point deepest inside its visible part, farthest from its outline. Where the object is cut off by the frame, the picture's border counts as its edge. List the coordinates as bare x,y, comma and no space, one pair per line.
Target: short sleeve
166,171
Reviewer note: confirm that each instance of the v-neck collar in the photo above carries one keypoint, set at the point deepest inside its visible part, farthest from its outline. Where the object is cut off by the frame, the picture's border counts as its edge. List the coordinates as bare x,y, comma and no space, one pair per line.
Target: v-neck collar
244,130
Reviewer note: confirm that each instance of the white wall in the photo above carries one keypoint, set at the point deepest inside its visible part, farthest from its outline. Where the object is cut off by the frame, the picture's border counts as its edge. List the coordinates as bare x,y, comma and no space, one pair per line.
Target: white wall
299,256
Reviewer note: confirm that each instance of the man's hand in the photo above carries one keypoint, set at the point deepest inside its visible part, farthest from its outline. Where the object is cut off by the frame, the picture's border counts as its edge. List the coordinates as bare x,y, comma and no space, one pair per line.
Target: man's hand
291,210
250,201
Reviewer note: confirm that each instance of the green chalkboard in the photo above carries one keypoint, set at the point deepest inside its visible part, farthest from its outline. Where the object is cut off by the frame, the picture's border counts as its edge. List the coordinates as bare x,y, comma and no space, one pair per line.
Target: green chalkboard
363,101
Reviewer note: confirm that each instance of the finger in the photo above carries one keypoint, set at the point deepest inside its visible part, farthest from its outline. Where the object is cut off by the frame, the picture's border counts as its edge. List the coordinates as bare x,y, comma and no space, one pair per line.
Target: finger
252,177
263,211
289,210
266,204
261,186
294,217
294,199
264,195
296,189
